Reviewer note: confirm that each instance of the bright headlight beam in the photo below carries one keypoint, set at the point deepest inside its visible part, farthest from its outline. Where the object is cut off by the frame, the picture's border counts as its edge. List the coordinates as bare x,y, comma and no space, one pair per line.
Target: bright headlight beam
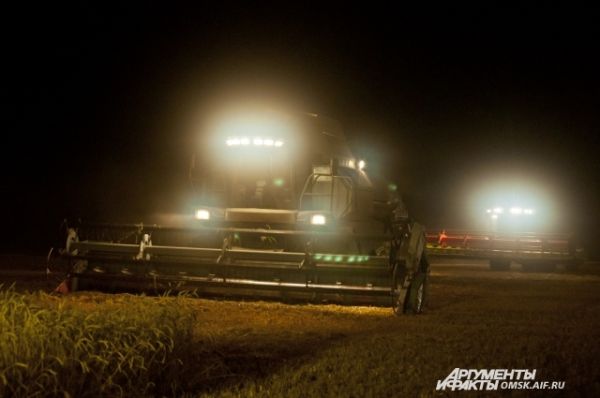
318,219
202,214
256,141
516,210
361,164
498,210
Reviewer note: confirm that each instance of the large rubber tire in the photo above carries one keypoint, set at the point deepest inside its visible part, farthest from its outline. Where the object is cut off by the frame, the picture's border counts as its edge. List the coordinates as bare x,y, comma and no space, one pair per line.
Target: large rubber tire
418,291
399,291
416,295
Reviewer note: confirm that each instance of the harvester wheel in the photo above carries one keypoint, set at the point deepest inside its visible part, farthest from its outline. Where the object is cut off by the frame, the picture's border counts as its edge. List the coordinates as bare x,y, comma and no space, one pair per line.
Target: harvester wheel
411,299
399,290
416,297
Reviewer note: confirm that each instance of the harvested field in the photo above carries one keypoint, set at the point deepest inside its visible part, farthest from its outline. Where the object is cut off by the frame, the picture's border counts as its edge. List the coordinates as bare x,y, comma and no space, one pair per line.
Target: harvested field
475,319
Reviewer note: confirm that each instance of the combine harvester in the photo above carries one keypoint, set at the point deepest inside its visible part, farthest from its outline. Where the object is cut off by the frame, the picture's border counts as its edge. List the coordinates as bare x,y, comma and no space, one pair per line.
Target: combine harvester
534,251
284,211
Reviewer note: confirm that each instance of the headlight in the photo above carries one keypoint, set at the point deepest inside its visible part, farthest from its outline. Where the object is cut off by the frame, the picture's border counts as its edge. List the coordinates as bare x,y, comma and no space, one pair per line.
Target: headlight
202,214
318,219
255,141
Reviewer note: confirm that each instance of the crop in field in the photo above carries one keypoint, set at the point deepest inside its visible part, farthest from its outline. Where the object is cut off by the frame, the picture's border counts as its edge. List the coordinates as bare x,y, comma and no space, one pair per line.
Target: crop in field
133,346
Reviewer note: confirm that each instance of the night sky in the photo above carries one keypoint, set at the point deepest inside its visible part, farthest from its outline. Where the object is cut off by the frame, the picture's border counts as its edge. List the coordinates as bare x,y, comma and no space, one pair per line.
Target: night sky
102,104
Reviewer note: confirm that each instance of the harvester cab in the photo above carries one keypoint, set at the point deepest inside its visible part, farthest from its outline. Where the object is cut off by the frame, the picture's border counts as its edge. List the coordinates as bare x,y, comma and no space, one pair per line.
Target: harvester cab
284,210
309,180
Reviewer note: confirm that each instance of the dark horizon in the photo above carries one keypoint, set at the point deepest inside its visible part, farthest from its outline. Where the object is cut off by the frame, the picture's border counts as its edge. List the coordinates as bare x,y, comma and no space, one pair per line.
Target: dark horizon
104,104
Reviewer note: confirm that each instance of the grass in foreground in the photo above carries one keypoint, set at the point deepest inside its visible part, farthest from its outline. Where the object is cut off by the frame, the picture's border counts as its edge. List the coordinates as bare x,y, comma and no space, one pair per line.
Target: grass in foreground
50,348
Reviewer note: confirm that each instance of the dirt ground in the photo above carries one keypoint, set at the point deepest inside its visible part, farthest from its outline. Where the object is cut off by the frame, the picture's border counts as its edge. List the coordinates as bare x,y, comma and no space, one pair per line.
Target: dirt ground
475,319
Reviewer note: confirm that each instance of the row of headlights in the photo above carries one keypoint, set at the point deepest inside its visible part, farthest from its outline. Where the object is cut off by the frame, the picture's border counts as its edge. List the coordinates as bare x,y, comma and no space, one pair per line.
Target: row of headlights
515,211
315,219
255,141
351,163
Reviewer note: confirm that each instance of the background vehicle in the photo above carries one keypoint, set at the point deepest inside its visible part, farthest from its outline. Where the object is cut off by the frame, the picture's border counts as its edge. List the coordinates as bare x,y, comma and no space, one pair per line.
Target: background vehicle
534,251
